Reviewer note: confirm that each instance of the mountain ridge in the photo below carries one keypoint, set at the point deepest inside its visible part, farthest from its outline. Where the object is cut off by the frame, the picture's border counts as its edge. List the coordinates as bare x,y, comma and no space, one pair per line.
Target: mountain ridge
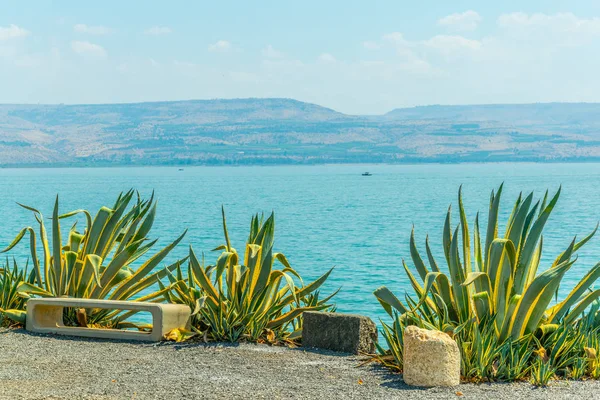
288,131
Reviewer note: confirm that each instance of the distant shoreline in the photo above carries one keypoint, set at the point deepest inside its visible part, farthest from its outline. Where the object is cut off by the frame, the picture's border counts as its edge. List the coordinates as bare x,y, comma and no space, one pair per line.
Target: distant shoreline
366,164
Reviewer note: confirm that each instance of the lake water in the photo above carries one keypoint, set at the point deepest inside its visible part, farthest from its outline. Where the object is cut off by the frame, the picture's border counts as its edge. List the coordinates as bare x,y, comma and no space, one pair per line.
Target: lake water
325,215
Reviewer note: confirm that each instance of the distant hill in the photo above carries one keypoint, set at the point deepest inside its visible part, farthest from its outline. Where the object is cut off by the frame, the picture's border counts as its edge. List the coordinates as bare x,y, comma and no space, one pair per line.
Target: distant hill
285,131
520,114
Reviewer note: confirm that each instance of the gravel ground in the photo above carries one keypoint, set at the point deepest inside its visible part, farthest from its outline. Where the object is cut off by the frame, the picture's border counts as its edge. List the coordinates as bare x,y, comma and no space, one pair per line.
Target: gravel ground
50,367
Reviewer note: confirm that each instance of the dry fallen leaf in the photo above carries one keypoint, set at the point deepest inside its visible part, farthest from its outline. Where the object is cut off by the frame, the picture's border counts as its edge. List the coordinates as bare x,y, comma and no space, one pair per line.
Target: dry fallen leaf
459,394
270,336
542,354
81,317
360,381
179,335
590,353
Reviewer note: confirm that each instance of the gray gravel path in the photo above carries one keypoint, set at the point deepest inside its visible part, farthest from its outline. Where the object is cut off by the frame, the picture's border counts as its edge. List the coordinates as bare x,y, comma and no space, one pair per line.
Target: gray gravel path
45,367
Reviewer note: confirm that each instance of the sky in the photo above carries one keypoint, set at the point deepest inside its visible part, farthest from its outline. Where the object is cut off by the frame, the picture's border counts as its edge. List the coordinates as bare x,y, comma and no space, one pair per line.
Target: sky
357,57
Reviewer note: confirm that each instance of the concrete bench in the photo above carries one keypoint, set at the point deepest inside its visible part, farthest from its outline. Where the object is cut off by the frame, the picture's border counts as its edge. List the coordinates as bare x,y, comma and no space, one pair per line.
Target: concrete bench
45,315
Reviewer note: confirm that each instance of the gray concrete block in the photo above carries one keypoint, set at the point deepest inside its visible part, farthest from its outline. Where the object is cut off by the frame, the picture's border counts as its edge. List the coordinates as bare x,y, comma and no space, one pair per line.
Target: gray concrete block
348,333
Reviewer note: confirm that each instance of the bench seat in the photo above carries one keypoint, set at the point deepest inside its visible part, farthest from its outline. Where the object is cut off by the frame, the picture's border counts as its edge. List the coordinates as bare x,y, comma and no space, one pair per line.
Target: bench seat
45,315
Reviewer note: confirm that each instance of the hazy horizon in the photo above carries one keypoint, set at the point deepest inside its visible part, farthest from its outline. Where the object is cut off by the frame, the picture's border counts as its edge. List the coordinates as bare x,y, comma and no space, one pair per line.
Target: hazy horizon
293,99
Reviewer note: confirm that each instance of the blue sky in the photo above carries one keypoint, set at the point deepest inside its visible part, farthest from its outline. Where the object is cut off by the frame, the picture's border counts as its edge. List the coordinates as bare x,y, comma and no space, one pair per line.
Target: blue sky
354,56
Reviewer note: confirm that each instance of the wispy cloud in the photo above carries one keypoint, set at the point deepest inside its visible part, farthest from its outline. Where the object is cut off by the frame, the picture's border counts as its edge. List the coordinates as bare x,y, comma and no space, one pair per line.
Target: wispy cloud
88,49
158,30
396,38
404,48
270,52
220,46
92,30
566,22
326,58
555,30
447,44
12,31
371,45
465,21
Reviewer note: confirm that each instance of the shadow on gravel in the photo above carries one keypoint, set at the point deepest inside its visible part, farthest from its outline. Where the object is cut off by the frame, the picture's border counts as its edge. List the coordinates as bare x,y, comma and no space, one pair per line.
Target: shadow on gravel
323,352
390,379
174,345
394,381
22,331
196,344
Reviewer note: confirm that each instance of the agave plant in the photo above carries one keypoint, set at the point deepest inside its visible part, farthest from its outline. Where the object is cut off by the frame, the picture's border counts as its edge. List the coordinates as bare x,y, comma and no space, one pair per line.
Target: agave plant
98,262
499,282
569,352
247,298
12,302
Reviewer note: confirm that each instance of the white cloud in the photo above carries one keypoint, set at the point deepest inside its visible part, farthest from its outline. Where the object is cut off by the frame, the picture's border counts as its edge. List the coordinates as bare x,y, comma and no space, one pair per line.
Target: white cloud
403,47
158,30
221,46
562,22
282,63
396,38
12,32
414,52
517,19
465,21
270,52
88,49
556,30
92,30
327,58
447,44
406,50
371,45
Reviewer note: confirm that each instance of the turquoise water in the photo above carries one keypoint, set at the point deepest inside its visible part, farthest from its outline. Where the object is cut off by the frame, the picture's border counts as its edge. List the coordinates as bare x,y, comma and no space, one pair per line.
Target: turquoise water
325,215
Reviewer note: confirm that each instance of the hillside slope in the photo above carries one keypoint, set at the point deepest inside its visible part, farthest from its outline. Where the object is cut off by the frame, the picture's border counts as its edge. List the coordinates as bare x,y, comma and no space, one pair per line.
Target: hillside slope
267,131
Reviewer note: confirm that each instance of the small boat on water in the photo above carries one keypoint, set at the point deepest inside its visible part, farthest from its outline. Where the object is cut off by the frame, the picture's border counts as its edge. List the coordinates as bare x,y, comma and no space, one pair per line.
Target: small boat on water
367,174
